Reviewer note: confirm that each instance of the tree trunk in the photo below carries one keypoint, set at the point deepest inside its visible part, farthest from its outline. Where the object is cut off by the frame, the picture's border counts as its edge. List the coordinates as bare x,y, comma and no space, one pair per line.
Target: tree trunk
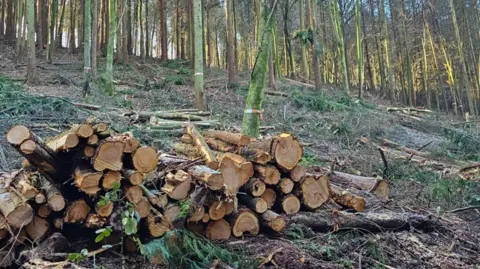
2,18
232,73
53,19
10,22
87,44
359,47
72,28
312,19
32,74
163,31
59,39
254,102
125,33
109,87
341,47
21,6
94,37
305,69
198,76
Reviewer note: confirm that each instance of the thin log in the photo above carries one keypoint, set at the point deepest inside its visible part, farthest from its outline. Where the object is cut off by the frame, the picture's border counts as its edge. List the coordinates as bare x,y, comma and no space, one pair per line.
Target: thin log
314,191
87,180
212,178
232,138
268,174
377,186
217,210
297,173
347,199
110,178
104,210
77,211
14,208
270,196
54,197
236,171
199,142
290,204
254,187
63,142
273,221
256,204
285,185
133,176
286,151
143,207
220,145
197,214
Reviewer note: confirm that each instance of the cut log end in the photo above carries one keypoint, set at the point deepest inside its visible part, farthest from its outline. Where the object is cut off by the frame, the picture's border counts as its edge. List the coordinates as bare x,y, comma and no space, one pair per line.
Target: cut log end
256,204
37,228
315,191
286,185
108,156
297,173
236,171
28,147
268,173
290,204
111,178
217,210
133,193
143,207
269,195
213,179
287,151
145,159
254,187
218,230
131,144
133,176
273,220
104,210
64,142
20,216
84,130
76,212
17,135
197,214
245,221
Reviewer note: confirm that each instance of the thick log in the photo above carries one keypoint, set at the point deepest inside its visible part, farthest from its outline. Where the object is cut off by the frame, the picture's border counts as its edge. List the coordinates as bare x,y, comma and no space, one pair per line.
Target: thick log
270,196
19,134
158,226
83,130
110,179
347,199
217,210
197,214
100,127
54,197
314,191
232,138
324,221
286,151
77,211
104,210
145,159
268,174
14,208
254,187
133,176
290,204
212,178
256,204
297,173
133,193
236,171
36,152
63,142
196,227
87,180
244,221
199,142
37,229
273,221
131,144
285,185
218,230
220,145
377,186
95,221
108,155
143,207
179,191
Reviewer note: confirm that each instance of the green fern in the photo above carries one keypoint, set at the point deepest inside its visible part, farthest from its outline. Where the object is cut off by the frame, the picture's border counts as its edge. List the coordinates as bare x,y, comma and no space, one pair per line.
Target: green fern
182,249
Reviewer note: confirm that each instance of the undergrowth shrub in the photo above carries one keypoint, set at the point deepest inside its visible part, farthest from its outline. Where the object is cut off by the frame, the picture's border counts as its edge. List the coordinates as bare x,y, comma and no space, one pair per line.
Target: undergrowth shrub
175,63
322,102
183,249
175,79
461,145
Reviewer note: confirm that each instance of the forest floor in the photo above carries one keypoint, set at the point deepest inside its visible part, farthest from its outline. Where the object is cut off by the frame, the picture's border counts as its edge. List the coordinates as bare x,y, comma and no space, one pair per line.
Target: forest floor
330,126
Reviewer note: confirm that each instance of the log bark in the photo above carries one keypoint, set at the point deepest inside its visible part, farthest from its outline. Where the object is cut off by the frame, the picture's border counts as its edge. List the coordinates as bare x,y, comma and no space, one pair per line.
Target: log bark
87,180
379,187
63,142
373,222
268,174
37,229
256,204
218,230
145,159
54,197
270,196
44,211
286,151
187,150
254,187
199,142
236,171
220,145
212,178
77,211
244,221
257,152
314,191
110,178
290,204
232,138
108,156
347,199
273,221
14,208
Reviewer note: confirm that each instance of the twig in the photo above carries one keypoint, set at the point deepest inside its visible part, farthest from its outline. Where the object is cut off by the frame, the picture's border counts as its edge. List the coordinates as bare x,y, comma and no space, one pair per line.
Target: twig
420,148
385,164
464,209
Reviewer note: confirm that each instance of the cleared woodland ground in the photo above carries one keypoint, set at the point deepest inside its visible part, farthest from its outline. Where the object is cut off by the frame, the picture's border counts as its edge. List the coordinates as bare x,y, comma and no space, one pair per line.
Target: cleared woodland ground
330,125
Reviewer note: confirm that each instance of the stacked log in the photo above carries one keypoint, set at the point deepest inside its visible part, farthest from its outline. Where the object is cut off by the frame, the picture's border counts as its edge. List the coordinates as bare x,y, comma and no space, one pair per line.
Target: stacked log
235,185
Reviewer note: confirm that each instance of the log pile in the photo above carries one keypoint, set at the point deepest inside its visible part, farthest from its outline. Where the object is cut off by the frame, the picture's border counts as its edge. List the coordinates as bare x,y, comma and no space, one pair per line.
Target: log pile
91,177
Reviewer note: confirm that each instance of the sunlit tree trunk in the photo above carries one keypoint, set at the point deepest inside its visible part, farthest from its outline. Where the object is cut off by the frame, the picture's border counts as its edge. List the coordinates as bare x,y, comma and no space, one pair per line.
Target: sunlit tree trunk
359,47
140,29
312,19
53,18
197,11
341,47
465,84
21,5
72,28
32,74
163,31
87,44
109,87
232,73
94,36
254,102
